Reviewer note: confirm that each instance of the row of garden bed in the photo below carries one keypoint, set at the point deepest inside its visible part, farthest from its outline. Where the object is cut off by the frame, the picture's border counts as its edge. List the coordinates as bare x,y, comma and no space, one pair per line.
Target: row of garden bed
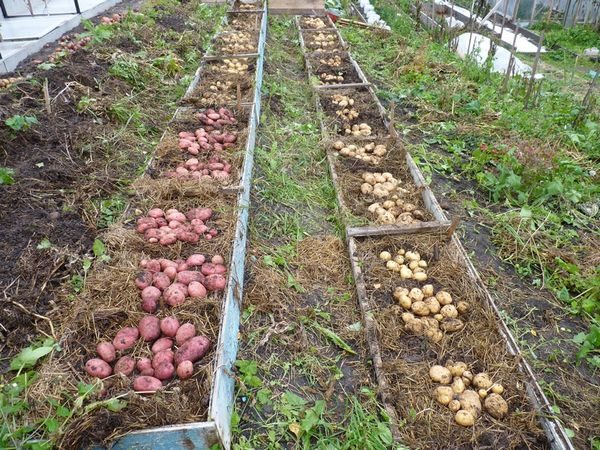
449,371
161,316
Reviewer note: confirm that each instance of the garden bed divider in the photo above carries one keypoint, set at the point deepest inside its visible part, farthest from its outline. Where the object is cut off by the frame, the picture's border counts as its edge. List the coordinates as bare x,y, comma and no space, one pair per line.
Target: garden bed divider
554,430
217,429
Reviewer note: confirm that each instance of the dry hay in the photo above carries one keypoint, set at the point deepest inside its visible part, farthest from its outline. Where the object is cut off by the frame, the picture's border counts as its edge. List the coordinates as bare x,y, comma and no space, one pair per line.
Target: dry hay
364,102
244,21
109,302
407,358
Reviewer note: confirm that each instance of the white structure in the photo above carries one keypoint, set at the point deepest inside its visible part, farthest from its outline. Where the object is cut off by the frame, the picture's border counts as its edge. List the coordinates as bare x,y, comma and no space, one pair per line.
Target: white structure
371,16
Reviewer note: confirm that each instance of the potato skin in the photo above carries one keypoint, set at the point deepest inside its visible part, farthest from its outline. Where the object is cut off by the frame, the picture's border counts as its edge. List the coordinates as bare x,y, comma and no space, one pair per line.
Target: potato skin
125,365
185,370
149,327
161,357
161,344
106,351
187,276
192,350
126,338
215,282
196,290
185,332
149,305
151,293
143,364
164,371
98,368
146,383
169,326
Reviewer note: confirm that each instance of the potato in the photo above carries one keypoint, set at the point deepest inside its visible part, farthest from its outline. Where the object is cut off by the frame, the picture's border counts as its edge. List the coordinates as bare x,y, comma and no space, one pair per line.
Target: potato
462,307
427,290
482,381
164,343
149,327
443,395
196,290
125,365
464,418
469,401
143,280
164,371
192,350
482,393
451,325
496,406
458,386
416,294
106,351
98,368
405,302
126,338
147,384
497,388
187,276
161,280
440,374
467,377
449,311
399,292
407,317
419,308
454,405
457,369
215,282
151,293
185,370
196,260
143,364
147,372
444,298
415,326
432,304
171,272
150,306
420,276
185,332
175,294
169,326
161,357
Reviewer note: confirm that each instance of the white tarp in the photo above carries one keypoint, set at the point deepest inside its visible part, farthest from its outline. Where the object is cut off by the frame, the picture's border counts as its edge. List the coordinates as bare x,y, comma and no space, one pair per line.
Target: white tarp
371,16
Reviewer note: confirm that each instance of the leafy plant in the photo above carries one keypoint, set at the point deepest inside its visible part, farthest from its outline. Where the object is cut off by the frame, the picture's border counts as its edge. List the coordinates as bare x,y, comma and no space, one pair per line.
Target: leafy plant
20,123
590,346
6,176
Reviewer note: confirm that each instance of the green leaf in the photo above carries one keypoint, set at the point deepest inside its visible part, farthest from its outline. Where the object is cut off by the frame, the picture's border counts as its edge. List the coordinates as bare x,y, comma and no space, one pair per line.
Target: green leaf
28,357
6,176
312,416
98,248
44,244
570,433
264,396
525,213
332,336
87,263
247,367
293,400
385,435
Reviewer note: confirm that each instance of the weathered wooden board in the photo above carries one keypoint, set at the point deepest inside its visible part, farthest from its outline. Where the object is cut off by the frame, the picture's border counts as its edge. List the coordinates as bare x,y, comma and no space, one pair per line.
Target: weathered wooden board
292,7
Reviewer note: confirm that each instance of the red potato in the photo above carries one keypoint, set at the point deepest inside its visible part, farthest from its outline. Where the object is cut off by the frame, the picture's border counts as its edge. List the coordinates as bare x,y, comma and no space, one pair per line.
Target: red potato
164,263
147,384
155,213
125,365
175,294
217,259
185,370
143,364
164,343
143,280
196,290
164,371
149,306
149,372
98,368
126,338
196,259
199,213
185,332
149,327
187,276
177,216
161,280
168,239
151,293
215,282
106,351
153,265
161,357
169,326
171,272
182,266
192,350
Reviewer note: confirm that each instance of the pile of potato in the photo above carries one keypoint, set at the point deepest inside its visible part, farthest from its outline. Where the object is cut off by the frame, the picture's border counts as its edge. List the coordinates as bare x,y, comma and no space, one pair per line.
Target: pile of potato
202,140
235,66
163,362
362,129
327,78
237,42
174,281
314,22
69,44
216,119
408,264
466,403
219,93
5,83
248,6
430,313
369,153
324,40
334,61
168,227
216,168
346,112
115,18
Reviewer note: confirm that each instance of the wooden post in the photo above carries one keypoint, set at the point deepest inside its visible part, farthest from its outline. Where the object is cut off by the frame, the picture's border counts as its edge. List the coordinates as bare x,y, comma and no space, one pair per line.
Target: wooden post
471,20
451,21
531,85
566,13
504,13
577,9
532,14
